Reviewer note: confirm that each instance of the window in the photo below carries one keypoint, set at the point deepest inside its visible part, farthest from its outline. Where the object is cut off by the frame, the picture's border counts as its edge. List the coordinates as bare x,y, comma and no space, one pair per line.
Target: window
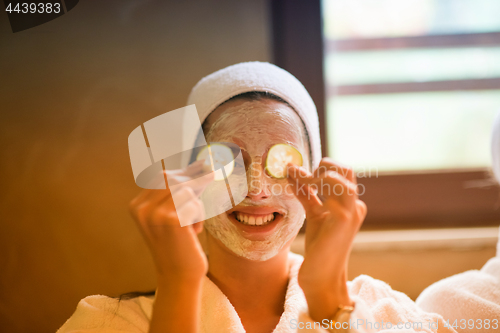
406,88
411,85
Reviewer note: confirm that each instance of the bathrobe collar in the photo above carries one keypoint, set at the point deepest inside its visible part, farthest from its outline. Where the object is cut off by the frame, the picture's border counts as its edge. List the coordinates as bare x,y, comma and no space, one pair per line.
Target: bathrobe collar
218,314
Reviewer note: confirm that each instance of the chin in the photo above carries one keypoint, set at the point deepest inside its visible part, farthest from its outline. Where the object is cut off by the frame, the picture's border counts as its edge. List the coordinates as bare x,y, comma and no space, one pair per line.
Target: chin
261,244
260,256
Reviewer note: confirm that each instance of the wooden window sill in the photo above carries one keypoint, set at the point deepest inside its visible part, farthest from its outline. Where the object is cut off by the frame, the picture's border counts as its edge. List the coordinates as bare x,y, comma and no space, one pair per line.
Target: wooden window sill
458,239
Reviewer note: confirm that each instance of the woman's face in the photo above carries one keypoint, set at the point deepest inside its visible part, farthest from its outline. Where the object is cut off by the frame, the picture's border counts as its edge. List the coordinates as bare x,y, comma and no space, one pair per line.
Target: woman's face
270,215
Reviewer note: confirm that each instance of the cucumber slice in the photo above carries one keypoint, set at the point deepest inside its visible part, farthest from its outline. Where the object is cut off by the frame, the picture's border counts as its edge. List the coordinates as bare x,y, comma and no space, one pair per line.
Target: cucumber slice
279,156
217,156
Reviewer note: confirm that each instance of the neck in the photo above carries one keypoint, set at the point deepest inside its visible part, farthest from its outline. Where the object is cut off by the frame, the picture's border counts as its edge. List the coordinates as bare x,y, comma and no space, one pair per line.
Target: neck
247,283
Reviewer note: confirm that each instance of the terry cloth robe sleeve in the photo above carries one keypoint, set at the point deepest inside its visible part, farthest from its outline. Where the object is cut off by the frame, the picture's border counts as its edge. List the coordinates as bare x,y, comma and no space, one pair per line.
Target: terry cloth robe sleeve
99,314
470,295
379,308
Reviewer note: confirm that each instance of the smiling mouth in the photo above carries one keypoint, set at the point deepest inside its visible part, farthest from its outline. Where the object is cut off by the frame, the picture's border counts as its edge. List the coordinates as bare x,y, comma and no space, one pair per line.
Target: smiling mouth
254,219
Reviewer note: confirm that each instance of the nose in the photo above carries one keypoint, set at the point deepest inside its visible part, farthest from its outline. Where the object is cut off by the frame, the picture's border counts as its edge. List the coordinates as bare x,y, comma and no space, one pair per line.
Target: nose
258,188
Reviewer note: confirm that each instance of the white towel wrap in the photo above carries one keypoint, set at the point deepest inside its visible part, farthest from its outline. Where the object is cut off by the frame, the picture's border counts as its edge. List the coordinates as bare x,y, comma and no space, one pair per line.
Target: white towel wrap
218,87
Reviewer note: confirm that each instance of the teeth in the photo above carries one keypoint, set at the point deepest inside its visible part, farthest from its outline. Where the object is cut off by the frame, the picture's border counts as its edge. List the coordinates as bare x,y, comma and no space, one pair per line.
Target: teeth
252,220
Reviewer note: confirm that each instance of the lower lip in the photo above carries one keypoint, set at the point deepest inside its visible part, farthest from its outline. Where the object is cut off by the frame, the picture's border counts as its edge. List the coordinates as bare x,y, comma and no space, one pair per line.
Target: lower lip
256,229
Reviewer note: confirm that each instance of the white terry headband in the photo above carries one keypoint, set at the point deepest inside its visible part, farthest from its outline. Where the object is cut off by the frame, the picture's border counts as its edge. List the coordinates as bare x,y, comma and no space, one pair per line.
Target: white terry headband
218,87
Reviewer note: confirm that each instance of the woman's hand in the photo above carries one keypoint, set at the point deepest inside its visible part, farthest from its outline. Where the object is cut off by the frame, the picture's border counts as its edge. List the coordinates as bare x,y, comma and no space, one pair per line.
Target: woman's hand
334,215
176,250
180,261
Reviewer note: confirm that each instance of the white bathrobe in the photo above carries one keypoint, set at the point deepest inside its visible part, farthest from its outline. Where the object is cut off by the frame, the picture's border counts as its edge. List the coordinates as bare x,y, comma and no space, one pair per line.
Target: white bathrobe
474,294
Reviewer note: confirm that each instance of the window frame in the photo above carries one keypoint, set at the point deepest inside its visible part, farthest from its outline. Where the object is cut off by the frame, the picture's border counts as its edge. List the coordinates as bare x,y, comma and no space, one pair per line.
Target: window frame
395,200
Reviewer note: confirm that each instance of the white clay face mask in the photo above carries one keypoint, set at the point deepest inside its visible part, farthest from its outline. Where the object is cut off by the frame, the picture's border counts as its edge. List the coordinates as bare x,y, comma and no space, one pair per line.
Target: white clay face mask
270,206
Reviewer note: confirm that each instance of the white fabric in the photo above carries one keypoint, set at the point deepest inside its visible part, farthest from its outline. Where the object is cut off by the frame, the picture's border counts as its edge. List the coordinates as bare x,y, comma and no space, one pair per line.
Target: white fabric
470,295
218,87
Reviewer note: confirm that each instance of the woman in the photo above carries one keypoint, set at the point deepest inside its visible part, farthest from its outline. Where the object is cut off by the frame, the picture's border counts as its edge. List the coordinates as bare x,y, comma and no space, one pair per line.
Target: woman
246,280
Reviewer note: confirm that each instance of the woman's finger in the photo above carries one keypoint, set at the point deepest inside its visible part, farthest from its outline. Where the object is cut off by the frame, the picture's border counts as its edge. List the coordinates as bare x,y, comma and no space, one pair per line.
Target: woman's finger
196,173
331,185
142,196
191,212
330,188
198,227
141,206
198,184
304,193
194,168
176,177
327,164
182,195
361,208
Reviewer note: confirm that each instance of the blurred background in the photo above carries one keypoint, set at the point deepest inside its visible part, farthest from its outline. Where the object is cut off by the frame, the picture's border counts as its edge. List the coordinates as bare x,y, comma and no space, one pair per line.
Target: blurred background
406,93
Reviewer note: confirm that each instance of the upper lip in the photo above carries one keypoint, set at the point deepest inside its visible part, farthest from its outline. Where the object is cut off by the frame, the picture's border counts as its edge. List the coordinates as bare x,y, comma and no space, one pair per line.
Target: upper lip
257,210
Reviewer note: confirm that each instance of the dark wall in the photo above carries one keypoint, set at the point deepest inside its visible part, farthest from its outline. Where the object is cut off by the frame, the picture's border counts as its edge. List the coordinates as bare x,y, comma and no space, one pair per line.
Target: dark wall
71,91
